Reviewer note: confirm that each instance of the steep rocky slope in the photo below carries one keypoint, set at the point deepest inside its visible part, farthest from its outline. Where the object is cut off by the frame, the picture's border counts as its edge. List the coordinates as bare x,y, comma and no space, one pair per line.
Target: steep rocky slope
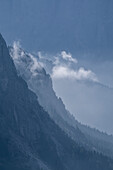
29,67
29,139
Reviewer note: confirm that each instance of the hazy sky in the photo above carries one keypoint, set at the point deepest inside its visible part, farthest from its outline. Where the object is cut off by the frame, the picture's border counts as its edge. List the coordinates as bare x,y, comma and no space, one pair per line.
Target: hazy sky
77,26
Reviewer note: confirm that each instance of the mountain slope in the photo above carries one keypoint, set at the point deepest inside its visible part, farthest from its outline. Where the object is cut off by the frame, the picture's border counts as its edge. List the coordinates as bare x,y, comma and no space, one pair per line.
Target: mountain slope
40,82
29,139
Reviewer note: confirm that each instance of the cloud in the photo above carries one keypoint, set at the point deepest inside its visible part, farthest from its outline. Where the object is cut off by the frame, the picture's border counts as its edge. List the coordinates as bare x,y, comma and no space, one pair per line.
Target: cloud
65,66
68,57
61,72
57,61
25,61
16,51
35,65
40,55
61,68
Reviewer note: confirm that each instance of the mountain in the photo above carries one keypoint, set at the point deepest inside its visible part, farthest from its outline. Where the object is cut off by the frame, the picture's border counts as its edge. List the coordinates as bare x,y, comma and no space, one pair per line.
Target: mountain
30,68
81,27
29,139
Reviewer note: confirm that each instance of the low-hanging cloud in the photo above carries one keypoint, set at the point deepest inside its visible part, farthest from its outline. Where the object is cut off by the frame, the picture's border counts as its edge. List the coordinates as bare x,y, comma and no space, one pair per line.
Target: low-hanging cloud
21,59
60,72
64,65
68,57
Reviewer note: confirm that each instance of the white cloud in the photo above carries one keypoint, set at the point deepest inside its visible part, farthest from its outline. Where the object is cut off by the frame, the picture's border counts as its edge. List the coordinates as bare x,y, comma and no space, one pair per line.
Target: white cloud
68,57
25,61
40,55
57,61
60,68
35,65
16,47
63,66
61,72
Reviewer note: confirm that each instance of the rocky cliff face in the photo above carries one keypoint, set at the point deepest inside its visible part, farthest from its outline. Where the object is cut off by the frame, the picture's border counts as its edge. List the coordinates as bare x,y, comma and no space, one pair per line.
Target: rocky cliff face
29,139
29,67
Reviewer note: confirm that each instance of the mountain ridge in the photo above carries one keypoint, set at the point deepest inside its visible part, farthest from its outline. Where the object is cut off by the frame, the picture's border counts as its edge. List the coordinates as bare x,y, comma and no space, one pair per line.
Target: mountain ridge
27,133
40,82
